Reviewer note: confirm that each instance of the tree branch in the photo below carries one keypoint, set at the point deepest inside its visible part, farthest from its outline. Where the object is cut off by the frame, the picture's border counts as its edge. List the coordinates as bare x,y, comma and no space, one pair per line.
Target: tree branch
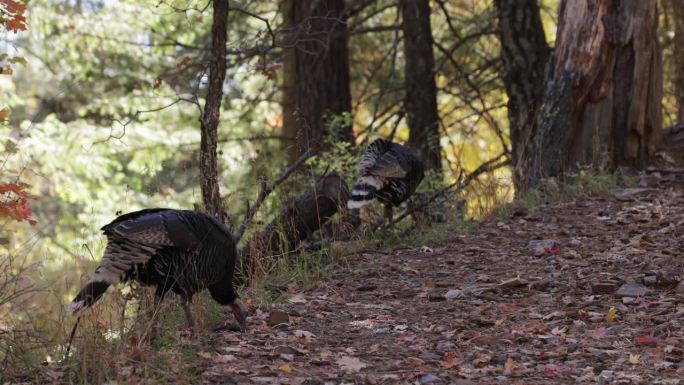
266,190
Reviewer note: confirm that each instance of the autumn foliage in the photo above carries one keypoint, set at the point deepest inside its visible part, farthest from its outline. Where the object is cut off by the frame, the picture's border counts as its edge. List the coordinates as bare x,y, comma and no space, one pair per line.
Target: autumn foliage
12,15
14,203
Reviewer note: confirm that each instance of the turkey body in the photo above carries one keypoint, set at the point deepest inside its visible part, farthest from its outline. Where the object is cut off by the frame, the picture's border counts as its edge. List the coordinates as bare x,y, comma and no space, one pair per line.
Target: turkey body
388,172
175,250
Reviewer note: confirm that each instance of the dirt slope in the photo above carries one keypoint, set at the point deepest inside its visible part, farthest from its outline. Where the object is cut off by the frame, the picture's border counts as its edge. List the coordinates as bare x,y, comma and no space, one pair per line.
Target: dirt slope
491,307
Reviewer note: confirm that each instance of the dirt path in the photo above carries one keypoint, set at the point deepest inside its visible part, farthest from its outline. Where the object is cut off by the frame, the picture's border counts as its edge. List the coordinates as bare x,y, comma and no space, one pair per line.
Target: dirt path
490,308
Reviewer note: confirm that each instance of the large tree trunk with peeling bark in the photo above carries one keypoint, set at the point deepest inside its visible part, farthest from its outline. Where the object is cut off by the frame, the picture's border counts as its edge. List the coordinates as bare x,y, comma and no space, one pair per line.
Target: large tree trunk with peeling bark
209,169
602,92
421,90
524,53
321,73
678,54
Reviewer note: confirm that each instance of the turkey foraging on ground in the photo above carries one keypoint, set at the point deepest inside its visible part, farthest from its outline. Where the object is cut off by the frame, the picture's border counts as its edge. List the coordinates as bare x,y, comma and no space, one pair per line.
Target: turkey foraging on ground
389,172
175,250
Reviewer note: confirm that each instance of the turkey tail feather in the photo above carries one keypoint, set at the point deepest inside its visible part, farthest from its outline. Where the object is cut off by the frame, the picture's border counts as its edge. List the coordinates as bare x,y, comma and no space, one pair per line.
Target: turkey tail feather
85,298
364,191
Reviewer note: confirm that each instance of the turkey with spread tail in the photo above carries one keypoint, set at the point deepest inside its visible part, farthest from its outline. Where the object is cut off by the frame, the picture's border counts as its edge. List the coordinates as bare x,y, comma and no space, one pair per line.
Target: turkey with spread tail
175,250
388,172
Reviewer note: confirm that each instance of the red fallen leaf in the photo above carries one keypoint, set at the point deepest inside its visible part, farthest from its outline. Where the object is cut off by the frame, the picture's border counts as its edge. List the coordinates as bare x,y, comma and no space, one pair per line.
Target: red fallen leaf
553,370
647,340
649,304
450,361
552,250
599,332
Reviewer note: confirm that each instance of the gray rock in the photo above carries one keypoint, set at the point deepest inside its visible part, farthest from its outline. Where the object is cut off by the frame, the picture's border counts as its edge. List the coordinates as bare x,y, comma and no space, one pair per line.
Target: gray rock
631,289
540,247
453,293
429,379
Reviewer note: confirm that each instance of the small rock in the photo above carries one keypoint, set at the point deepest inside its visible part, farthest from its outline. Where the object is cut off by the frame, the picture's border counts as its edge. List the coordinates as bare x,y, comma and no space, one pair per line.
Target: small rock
514,282
367,287
429,356
649,280
425,249
462,381
540,285
631,289
436,297
680,288
606,376
540,247
453,293
278,317
628,300
429,379
603,287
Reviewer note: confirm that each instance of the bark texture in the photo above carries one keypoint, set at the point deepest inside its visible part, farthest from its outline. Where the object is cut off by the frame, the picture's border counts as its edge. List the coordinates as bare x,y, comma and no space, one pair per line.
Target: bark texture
288,88
524,53
678,76
321,72
209,120
421,90
602,92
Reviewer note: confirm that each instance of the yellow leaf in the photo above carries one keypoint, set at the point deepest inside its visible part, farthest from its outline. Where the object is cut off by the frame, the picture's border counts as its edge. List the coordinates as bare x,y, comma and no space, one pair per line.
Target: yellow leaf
287,368
6,71
611,314
634,358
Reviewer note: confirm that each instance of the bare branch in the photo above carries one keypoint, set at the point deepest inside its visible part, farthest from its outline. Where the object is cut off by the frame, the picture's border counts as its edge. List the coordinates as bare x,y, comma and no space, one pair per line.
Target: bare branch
266,190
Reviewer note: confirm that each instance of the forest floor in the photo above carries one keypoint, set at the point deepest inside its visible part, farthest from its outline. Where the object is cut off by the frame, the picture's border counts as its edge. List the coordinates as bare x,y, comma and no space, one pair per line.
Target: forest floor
580,290
598,300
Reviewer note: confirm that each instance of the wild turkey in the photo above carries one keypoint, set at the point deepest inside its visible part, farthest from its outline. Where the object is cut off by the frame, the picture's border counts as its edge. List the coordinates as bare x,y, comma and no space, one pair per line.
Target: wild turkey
175,250
389,172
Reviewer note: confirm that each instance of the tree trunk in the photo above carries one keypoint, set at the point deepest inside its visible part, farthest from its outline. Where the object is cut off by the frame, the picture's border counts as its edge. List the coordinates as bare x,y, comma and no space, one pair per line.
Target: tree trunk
602,92
524,53
288,89
321,73
421,90
212,107
678,53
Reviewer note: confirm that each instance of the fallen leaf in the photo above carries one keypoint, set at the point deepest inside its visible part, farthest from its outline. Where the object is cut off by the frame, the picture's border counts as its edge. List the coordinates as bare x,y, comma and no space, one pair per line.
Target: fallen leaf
509,367
287,368
647,340
634,358
600,332
611,314
223,358
350,364
304,334
450,361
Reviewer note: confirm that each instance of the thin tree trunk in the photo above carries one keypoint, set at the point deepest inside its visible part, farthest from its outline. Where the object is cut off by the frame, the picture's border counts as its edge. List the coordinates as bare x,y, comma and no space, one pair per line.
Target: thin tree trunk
678,53
209,120
524,53
603,90
421,90
321,73
289,89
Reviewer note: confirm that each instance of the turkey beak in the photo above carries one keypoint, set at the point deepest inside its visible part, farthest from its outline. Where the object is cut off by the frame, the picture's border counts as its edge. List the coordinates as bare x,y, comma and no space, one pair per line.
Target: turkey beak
240,312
